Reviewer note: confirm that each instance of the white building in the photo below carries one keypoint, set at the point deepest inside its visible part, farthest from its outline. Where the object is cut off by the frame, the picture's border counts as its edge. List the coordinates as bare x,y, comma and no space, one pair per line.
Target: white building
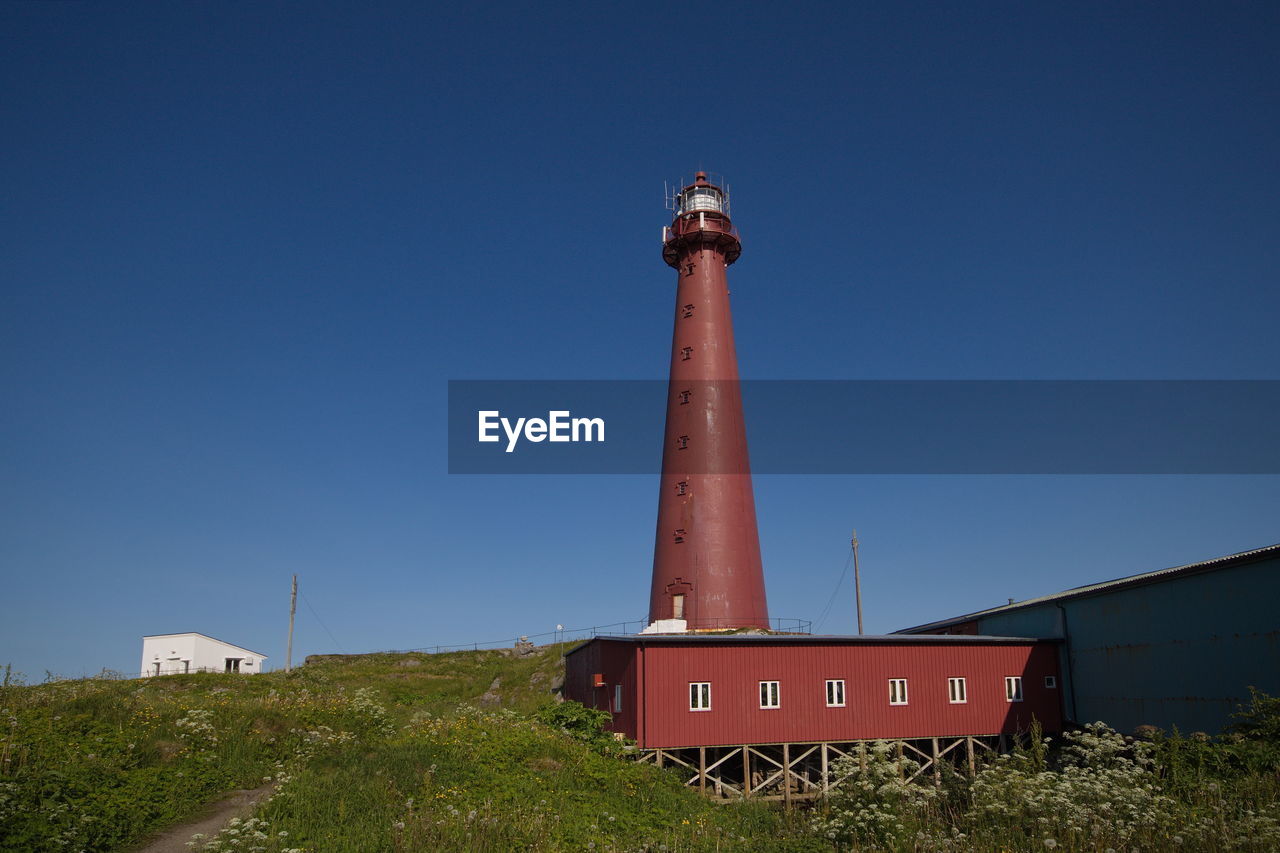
167,654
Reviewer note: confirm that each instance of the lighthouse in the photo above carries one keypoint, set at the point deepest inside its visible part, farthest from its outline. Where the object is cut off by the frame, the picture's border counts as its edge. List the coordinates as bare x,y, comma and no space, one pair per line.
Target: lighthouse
766,713
707,573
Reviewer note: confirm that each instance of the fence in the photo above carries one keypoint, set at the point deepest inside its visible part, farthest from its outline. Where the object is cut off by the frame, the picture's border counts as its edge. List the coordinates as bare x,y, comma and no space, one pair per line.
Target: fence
181,670
778,624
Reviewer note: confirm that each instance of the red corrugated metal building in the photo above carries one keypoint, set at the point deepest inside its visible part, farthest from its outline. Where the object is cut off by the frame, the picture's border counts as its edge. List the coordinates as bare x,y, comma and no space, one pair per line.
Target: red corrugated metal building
689,690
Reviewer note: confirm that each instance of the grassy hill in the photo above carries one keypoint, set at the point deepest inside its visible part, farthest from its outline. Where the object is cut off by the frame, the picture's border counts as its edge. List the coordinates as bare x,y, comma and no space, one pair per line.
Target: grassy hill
468,751
369,753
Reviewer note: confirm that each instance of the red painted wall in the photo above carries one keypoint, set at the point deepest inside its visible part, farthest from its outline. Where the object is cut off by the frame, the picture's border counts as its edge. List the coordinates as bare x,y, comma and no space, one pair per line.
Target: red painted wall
618,662
735,671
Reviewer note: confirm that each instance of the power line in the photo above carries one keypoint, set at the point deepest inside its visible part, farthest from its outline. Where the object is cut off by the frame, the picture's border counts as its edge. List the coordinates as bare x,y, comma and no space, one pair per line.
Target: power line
336,644
826,610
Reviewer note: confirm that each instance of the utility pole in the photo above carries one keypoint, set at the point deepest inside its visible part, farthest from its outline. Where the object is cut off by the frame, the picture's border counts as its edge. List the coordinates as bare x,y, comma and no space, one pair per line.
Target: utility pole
293,608
857,579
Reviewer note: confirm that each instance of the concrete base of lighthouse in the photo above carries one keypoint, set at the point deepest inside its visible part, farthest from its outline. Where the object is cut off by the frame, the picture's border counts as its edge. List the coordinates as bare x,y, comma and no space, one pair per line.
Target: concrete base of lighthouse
667,626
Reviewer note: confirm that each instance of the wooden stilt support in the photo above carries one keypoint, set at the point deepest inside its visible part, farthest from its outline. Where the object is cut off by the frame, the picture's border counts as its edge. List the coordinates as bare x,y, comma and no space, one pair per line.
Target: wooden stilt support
807,771
786,776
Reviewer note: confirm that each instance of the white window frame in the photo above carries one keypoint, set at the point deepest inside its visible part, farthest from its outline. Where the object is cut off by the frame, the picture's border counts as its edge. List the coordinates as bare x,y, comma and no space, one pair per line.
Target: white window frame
898,691
1051,682
957,696
617,698
835,693
770,695
699,695
1013,688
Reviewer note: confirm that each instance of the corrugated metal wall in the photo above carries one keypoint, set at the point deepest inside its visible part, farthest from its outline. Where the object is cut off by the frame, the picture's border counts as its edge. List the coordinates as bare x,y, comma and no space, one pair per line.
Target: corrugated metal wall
1181,651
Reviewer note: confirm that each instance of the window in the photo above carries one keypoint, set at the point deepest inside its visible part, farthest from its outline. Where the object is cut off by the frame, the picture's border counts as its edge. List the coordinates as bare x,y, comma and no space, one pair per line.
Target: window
835,694
617,698
1051,681
769,694
956,691
1013,688
700,696
677,606
897,691
682,442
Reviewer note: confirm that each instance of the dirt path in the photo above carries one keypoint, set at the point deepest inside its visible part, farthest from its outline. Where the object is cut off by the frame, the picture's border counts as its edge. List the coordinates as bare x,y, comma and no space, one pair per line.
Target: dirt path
236,804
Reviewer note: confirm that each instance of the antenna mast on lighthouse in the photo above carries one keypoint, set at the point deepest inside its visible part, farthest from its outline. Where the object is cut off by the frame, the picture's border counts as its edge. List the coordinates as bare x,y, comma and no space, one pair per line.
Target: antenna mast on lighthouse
707,573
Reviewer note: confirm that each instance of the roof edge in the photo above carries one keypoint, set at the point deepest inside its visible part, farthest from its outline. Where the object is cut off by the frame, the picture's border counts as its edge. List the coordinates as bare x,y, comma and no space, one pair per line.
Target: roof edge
816,640
207,637
1142,579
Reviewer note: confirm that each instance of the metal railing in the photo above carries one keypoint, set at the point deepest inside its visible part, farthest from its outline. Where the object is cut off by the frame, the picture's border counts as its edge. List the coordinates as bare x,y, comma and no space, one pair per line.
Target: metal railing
781,625
564,635
178,670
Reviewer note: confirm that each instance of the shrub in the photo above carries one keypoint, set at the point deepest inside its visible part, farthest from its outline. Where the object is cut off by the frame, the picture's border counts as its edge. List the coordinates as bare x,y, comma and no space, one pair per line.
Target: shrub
1103,792
874,808
581,723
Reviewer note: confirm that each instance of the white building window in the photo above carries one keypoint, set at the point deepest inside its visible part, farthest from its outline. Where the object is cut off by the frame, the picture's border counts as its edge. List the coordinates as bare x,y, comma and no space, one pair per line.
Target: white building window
617,698
956,692
1051,681
1013,688
835,694
897,691
700,696
769,694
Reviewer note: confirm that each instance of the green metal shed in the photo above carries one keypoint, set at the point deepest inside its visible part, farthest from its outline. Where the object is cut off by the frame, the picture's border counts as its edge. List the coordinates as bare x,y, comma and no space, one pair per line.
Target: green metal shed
1174,647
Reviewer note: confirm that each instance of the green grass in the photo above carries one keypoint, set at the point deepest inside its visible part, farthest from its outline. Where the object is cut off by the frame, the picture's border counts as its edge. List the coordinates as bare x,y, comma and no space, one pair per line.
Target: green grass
493,781
467,751
373,752
438,683
1086,790
95,764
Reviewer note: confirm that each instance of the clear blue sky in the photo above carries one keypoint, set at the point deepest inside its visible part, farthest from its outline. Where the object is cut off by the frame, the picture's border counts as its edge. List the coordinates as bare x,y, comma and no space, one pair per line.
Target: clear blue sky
244,246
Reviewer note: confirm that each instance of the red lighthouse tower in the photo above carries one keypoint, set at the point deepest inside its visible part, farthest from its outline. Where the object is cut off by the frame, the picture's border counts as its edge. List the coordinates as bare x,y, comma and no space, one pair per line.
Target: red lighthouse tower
706,557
